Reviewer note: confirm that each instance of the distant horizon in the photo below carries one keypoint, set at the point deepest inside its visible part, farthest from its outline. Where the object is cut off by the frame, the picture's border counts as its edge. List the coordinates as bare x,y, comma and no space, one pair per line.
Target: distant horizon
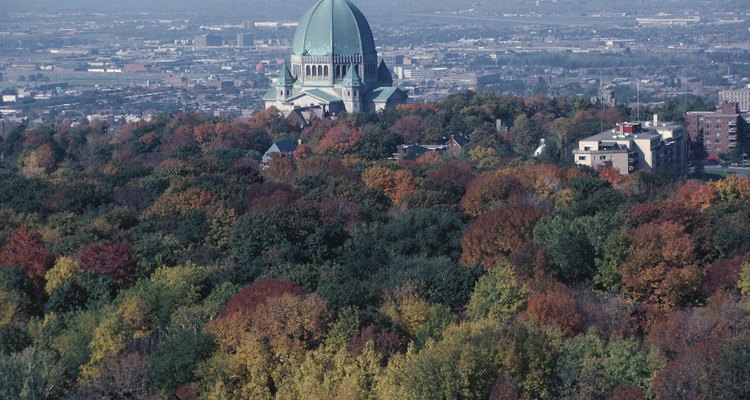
293,8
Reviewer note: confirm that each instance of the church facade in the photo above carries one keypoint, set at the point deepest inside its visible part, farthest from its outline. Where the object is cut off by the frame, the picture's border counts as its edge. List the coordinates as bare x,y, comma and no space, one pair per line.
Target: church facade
334,65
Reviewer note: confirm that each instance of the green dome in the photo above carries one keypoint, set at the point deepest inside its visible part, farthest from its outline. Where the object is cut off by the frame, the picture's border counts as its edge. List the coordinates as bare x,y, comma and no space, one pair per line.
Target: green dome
333,27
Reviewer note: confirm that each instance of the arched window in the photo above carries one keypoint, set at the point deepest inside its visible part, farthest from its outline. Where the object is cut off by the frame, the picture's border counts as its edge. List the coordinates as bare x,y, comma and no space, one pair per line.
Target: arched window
325,71
356,68
307,70
338,71
320,70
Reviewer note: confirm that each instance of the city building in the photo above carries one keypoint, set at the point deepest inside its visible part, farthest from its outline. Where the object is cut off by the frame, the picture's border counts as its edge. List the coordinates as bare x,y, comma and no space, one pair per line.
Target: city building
739,96
244,39
334,65
717,132
208,40
632,147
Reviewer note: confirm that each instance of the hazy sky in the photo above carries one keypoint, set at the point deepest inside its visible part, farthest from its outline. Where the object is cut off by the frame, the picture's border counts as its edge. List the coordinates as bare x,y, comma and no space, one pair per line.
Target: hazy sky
294,8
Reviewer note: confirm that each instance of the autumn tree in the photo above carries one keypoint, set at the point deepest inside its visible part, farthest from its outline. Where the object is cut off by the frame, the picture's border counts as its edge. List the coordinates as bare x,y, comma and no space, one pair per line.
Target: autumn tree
556,309
491,191
409,128
497,295
461,365
661,269
115,260
396,184
25,249
342,140
497,234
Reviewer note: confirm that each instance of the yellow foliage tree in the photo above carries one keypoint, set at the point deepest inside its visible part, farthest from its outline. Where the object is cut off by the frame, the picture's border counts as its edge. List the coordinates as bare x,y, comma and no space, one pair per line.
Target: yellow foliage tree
65,268
733,187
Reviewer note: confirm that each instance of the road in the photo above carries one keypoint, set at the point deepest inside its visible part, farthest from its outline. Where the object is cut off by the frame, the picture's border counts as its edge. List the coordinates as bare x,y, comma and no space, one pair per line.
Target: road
733,170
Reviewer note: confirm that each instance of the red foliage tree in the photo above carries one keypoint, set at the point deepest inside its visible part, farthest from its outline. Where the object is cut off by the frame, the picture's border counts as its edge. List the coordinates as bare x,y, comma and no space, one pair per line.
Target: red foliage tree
627,393
723,274
491,191
452,173
269,195
555,308
661,270
386,342
340,141
250,298
115,260
682,329
25,249
690,376
409,128
497,234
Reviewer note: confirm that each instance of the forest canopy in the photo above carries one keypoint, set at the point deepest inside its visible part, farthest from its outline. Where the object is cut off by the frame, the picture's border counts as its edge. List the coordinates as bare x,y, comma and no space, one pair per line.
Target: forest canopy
159,260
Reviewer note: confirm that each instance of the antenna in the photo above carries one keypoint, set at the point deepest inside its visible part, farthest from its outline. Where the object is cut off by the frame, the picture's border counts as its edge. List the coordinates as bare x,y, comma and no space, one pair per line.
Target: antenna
637,97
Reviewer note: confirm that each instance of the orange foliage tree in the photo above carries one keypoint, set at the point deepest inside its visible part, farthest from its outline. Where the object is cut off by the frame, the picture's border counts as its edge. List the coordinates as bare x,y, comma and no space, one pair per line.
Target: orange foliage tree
557,309
661,270
490,191
396,184
497,234
342,140
697,195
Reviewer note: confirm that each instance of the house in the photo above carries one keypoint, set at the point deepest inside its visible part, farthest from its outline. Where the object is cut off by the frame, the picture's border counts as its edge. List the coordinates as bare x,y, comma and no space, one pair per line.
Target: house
302,117
284,147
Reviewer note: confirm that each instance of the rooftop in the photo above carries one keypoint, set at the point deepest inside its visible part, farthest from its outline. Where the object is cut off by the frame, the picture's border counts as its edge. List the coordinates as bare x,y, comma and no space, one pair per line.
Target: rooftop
333,27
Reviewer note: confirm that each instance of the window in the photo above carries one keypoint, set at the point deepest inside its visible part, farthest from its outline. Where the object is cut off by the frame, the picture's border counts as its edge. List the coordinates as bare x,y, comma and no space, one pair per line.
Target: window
587,148
602,157
581,158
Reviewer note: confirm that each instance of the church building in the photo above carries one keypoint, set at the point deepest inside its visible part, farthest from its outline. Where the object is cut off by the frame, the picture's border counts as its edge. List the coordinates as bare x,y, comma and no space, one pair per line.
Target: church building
334,65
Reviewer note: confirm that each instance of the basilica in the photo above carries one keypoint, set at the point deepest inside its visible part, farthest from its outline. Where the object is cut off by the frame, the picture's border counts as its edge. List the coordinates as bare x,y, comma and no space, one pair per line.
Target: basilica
334,65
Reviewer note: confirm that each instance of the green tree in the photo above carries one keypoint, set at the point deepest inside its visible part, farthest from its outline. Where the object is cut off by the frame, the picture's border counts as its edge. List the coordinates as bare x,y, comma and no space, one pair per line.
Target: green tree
497,295
566,242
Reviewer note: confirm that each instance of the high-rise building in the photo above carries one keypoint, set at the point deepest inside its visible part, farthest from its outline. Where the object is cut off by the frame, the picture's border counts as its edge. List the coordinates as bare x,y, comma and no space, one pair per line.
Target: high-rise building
739,96
244,39
718,132
208,40
631,147
334,65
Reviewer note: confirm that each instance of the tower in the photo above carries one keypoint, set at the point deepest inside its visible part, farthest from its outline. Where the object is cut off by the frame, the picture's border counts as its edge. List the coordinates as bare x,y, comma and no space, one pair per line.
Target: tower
284,84
351,92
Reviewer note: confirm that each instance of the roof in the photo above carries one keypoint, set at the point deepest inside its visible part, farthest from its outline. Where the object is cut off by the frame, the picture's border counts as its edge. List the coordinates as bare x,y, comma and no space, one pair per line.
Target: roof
352,78
270,94
611,135
384,93
460,140
384,74
318,94
285,77
285,147
333,27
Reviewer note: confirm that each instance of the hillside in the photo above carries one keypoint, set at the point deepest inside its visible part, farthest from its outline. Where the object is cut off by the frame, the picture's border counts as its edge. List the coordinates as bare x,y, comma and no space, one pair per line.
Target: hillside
158,260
